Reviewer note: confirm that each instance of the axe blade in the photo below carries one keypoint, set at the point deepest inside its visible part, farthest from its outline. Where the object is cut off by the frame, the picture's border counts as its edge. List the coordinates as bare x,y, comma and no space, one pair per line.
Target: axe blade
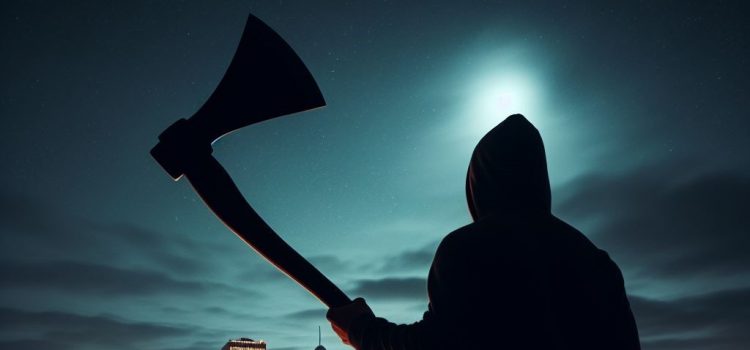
266,79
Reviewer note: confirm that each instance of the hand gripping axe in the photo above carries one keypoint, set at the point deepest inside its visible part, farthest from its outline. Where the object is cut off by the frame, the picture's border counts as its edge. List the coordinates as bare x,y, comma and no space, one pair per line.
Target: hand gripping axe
266,79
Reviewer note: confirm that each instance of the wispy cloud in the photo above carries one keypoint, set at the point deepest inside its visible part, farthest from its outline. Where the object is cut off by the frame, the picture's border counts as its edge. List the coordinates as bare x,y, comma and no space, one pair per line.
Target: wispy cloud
93,279
663,224
711,321
392,288
309,314
73,331
32,229
680,237
410,260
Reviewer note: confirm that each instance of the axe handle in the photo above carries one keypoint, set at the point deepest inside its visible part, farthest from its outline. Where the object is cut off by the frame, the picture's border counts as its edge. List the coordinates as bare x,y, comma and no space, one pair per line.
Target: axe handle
215,186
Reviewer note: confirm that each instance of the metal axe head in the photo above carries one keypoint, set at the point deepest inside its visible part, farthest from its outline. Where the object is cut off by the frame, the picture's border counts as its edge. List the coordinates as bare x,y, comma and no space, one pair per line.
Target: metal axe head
265,79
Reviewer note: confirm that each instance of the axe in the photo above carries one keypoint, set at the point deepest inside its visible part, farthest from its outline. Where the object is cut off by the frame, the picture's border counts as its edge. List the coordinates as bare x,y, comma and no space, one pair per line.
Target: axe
266,79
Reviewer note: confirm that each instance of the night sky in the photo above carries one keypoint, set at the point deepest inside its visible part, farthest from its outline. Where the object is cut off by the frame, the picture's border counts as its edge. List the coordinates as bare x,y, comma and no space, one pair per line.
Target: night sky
643,108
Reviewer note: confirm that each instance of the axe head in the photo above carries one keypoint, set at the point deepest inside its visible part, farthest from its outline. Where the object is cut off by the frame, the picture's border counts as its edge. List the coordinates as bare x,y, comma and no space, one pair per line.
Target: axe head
266,79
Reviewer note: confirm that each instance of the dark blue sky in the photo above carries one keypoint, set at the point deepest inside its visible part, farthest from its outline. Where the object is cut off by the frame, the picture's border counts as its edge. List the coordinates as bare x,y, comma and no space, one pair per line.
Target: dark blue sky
643,108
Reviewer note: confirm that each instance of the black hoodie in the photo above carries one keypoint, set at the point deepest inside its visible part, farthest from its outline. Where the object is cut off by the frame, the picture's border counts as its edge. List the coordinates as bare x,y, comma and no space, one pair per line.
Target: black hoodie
508,171
518,277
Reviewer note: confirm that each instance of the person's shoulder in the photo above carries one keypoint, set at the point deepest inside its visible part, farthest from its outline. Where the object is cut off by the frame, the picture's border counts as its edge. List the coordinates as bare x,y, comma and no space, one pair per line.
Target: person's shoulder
487,232
455,255
580,247
459,237
572,235
476,241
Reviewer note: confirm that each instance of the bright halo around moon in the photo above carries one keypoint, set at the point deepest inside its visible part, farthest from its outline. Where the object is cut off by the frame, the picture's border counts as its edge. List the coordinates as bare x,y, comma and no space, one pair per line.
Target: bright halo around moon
501,92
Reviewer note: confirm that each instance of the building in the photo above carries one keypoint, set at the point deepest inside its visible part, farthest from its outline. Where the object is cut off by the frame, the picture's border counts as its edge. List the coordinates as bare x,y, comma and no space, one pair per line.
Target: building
320,345
244,344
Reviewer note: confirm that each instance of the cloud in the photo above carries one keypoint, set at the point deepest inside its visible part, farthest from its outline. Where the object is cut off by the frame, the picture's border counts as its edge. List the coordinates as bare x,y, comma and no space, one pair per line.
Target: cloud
665,224
45,249
309,314
174,253
716,320
93,279
36,344
680,237
32,229
72,331
411,260
329,263
263,272
392,288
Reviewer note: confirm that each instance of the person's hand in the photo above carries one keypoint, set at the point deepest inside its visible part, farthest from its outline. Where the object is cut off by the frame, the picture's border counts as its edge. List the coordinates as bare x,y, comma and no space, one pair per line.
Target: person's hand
342,317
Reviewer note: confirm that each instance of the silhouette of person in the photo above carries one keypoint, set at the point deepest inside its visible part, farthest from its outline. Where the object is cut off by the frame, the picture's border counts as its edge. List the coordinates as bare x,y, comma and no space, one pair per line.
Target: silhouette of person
515,278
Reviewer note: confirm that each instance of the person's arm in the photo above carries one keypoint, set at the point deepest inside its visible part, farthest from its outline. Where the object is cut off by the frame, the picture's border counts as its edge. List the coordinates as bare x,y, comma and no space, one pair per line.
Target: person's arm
357,326
376,333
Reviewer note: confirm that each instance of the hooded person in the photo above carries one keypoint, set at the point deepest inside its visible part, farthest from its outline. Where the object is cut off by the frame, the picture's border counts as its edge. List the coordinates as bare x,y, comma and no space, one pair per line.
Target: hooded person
515,278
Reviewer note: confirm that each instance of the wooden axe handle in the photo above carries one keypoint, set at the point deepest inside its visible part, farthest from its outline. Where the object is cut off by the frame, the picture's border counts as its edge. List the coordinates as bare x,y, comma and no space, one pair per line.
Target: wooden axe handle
215,186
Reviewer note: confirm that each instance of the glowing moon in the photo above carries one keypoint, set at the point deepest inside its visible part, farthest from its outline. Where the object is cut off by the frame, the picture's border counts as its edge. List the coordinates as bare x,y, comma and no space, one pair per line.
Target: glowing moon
502,93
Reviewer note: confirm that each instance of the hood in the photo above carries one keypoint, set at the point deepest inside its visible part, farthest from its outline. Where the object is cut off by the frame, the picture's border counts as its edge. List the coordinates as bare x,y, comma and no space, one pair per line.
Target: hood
508,171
